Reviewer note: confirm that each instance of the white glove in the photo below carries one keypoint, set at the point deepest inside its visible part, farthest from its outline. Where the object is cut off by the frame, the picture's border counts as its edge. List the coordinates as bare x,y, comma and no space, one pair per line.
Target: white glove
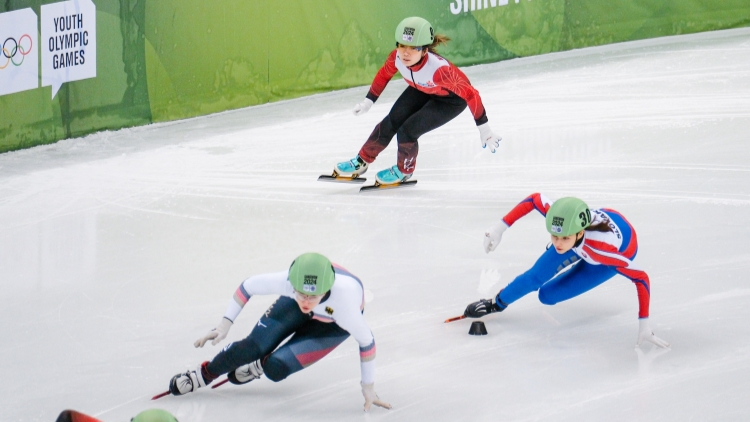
493,235
488,138
363,107
368,390
217,334
645,334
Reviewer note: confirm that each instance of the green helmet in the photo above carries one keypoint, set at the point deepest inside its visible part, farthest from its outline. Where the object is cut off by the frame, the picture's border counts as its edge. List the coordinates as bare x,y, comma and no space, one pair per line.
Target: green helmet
415,32
154,415
311,274
568,216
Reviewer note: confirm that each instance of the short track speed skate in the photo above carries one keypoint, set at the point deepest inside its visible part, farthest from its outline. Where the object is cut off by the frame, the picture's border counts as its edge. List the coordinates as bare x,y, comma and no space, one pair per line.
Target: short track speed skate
381,186
336,177
347,171
390,178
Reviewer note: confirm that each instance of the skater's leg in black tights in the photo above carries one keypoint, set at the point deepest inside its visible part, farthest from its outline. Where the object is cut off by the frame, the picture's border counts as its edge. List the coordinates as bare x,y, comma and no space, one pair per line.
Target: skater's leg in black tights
437,112
309,344
410,102
280,321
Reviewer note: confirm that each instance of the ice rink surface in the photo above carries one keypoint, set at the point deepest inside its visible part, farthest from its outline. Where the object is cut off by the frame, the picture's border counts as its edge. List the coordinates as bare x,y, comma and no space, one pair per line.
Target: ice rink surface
119,249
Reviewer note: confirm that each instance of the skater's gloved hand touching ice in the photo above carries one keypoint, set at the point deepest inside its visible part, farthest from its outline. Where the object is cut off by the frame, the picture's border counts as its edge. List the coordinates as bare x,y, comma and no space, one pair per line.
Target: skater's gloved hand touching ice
217,334
488,138
368,390
493,235
645,334
363,107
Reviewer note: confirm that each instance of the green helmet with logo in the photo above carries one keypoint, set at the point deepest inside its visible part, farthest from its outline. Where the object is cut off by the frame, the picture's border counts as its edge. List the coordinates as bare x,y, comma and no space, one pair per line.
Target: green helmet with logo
311,274
154,415
568,216
415,32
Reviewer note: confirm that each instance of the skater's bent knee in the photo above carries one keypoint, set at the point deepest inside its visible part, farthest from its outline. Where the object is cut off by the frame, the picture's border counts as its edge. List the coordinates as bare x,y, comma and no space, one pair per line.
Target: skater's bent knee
546,298
242,352
275,369
404,136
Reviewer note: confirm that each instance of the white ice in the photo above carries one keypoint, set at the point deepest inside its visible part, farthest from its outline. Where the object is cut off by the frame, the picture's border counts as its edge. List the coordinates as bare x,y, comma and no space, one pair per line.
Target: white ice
119,249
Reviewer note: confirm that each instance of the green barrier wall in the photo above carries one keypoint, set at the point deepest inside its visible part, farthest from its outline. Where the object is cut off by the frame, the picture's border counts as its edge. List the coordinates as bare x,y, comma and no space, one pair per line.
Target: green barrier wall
161,60
116,98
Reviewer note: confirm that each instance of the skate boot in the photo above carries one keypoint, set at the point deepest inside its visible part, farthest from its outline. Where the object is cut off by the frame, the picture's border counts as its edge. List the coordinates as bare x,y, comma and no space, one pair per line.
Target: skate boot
246,373
484,307
391,176
191,380
352,168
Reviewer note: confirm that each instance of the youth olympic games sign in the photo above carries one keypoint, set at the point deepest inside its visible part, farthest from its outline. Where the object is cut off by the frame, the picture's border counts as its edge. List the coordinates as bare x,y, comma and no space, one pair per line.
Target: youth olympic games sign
68,42
68,46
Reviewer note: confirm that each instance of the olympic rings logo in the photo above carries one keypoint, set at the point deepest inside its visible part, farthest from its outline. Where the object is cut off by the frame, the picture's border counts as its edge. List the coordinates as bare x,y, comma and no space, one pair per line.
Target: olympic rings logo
11,53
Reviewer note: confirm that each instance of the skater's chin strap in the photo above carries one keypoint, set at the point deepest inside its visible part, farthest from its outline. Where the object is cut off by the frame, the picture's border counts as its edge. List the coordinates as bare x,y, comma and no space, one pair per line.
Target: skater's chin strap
325,297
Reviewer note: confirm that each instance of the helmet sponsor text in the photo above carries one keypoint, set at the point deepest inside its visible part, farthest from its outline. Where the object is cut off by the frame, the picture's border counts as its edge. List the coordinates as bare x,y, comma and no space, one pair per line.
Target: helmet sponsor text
310,284
557,224
408,34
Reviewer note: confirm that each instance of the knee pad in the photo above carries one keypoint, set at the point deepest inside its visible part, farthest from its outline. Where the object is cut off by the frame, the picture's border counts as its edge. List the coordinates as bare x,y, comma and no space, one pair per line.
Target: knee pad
275,369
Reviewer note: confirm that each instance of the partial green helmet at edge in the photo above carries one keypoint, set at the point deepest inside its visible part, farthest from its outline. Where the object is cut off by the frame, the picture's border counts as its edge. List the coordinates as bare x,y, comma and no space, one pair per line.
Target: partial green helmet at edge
568,216
154,415
311,274
415,32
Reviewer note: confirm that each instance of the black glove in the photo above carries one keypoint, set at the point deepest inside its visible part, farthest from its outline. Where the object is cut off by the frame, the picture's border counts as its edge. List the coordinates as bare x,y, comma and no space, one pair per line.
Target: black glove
482,308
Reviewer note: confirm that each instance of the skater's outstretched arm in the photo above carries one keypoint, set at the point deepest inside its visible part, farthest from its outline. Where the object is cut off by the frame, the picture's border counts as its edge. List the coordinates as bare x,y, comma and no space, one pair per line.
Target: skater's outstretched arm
535,201
272,283
351,319
605,254
383,76
452,79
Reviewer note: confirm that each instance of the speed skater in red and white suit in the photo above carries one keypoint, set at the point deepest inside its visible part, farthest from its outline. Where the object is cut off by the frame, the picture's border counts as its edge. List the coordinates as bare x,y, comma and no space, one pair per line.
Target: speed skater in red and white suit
438,91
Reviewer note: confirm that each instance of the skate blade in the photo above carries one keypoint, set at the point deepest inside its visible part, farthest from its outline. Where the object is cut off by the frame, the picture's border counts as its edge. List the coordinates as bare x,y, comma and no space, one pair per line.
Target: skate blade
380,186
341,179
160,395
74,416
219,384
458,318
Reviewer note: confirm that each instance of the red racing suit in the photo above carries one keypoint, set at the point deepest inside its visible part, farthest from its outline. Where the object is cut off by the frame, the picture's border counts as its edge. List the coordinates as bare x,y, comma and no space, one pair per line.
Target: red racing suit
438,92
433,75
